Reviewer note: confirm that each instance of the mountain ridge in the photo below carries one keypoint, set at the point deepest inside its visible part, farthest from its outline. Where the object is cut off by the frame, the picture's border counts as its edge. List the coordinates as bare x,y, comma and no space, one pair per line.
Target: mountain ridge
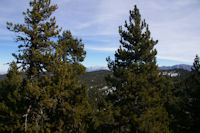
179,66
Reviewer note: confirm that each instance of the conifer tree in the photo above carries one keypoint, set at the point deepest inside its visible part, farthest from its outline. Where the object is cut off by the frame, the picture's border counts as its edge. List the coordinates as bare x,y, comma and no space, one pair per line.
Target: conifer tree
35,49
196,65
11,104
185,110
139,92
193,96
35,37
69,110
53,99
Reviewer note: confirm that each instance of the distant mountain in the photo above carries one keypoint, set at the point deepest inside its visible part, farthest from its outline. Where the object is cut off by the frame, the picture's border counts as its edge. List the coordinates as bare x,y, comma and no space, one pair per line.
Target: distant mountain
180,66
102,71
96,68
2,76
1,73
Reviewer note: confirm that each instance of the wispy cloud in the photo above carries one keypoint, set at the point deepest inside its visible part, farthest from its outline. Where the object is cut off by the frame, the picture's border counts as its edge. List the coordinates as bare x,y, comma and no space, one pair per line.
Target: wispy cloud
178,59
104,49
106,18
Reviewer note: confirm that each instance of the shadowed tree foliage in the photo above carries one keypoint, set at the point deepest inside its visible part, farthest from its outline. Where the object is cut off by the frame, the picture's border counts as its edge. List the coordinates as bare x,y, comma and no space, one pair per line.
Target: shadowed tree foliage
140,93
192,109
68,108
186,111
11,104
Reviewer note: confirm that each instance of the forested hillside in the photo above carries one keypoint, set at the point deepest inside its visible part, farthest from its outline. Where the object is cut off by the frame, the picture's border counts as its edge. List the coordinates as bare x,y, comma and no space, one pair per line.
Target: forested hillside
97,78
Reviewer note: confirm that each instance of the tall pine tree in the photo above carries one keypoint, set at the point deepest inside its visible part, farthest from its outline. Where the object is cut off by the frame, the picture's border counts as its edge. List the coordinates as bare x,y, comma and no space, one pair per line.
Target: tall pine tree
193,97
139,91
53,99
35,49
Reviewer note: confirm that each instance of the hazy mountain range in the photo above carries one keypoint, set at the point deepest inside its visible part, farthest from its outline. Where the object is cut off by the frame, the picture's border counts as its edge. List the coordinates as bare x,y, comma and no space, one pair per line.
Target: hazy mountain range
95,76
97,68
180,66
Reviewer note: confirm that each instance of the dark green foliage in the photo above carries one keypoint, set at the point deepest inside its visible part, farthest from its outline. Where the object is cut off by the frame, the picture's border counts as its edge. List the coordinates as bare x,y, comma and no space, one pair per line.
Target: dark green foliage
3,76
102,115
11,104
35,37
52,98
95,79
35,54
140,93
70,49
68,107
193,96
196,65
96,96
102,119
186,109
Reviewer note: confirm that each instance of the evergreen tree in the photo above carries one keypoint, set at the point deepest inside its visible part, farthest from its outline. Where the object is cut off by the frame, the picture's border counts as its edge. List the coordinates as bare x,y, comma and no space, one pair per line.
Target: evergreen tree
139,92
11,104
185,109
193,96
35,37
53,99
196,65
68,108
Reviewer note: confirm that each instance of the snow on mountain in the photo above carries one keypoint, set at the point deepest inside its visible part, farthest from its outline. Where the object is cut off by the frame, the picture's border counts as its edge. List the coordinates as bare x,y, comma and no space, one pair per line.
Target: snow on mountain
180,66
96,68
172,74
1,73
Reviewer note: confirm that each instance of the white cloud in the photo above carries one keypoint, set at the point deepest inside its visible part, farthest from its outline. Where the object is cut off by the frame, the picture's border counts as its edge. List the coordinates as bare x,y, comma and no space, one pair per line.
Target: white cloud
103,49
178,59
106,17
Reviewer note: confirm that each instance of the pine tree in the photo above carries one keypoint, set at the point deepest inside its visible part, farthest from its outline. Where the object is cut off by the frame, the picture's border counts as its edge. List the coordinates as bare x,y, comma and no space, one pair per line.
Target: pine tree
196,65
185,109
11,104
193,96
68,109
35,37
53,99
139,91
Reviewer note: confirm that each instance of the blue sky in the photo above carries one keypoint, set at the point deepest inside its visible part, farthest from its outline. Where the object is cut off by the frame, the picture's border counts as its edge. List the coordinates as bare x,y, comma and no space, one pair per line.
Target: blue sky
175,23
